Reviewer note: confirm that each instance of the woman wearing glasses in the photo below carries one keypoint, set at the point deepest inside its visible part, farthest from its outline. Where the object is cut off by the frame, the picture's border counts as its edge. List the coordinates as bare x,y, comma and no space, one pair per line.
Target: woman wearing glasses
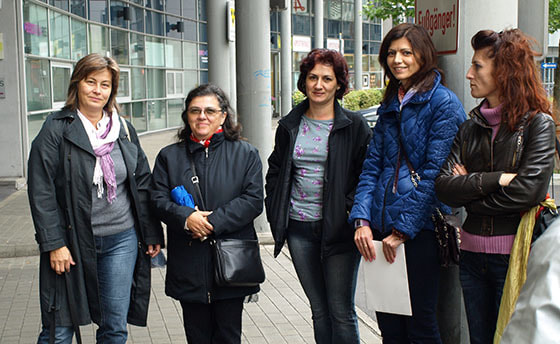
230,179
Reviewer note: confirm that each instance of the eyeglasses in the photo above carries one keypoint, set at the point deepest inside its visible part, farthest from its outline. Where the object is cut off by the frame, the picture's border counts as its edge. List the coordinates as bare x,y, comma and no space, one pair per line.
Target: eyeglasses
209,112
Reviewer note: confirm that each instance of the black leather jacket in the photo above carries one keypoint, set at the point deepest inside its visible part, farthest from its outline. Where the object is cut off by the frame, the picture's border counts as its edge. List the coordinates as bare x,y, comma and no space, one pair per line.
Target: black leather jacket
528,151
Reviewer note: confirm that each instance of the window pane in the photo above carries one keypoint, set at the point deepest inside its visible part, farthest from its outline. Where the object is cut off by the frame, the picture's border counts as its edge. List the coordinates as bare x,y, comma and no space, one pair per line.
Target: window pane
98,10
155,4
125,111
139,116
173,26
78,7
274,21
37,84
191,79
170,83
156,83
138,83
334,28
139,2
189,55
174,110
376,33
124,86
61,80
348,11
154,23
62,4
189,10
119,46
60,36
333,9
79,39
190,30
202,33
349,47
179,83
137,19
173,54
154,52
173,6
117,14
137,50
156,114
35,30
203,77
347,30
34,124
202,9
301,25
98,39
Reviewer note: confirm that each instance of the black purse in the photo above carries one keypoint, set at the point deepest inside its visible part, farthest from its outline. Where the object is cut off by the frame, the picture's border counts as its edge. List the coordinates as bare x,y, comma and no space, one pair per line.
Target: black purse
237,262
446,227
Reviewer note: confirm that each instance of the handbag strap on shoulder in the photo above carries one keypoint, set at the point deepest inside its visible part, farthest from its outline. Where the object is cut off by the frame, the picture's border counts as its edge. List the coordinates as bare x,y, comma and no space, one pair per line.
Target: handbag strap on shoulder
194,178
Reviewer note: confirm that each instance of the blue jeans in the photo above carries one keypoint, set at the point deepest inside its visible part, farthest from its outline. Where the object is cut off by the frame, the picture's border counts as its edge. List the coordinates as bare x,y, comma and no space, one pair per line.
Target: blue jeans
116,258
422,267
482,279
329,283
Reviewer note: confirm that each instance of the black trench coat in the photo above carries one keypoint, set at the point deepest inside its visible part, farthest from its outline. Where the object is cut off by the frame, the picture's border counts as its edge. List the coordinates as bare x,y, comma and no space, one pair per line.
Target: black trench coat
60,174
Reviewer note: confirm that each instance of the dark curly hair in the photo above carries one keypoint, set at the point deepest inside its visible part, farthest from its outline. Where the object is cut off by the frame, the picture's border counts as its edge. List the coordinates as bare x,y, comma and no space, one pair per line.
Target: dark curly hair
515,73
231,130
327,57
424,52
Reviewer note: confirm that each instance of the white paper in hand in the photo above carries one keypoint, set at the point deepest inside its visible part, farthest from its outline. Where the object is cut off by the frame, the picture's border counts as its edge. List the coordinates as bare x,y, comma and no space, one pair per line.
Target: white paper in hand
386,284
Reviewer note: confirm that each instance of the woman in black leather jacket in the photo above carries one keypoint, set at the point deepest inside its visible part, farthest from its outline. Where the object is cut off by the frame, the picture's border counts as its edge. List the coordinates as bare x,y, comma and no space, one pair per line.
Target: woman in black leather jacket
499,167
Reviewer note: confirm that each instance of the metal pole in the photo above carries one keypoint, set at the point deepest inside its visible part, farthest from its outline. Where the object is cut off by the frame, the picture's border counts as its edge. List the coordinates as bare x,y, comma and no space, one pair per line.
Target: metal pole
218,45
254,105
286,60
358,41
318,23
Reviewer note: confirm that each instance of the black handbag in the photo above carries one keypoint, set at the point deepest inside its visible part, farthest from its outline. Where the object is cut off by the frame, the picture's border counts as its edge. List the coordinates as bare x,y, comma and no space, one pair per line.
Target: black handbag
446,227
237,262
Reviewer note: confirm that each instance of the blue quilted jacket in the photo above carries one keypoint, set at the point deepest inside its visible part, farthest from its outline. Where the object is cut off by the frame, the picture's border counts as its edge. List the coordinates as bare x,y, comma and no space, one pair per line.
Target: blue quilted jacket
428,124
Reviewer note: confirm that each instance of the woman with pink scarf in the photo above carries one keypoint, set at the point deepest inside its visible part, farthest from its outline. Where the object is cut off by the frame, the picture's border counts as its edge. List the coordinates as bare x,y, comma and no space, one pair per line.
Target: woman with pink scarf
88,192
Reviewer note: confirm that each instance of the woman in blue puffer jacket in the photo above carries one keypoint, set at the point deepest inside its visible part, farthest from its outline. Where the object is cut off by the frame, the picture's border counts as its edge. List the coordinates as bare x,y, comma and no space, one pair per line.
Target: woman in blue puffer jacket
417,122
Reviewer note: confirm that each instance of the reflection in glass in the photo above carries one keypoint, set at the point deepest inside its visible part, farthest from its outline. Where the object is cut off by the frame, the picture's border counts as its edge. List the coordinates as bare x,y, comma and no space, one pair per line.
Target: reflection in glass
301,25
60,36
137,19
202,9
78,39
119,46
98,10
154,23
170,83
125,112
154,52
138,83
173,54
117,14
189,55
174,110
179,83
60,81
37,84
156,83
98,39
189,9
203,77
173,27
124,84
137,50
78,7
348,11
34,124
139,116
203,55
62,4
189,32
155,4
35,30
174,6
156,114
202,32
190,79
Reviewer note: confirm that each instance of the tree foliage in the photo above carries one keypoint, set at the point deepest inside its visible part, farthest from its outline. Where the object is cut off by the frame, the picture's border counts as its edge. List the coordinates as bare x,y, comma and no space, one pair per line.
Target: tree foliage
397,10
553,16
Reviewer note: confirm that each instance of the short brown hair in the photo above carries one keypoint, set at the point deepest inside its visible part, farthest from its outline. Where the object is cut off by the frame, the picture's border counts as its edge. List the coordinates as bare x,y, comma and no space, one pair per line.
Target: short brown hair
423,50
85,66
327,57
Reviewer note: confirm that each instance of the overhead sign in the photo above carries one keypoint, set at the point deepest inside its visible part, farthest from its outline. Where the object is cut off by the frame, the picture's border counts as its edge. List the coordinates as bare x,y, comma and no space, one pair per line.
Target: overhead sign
441,20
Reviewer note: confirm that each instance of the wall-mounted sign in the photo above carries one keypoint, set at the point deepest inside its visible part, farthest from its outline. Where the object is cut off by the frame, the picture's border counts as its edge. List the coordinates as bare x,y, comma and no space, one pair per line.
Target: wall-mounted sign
2,89
301,43
230,8
441,19
333,44
1,46
299,6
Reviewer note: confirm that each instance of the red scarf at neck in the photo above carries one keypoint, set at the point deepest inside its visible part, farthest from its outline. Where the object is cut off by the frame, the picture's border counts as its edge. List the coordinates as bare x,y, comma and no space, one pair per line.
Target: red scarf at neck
206,142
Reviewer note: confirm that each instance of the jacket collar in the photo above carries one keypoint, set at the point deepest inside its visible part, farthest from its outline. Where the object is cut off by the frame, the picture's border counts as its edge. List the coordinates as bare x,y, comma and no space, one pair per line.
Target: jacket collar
418,98
75,131
216,140
292,120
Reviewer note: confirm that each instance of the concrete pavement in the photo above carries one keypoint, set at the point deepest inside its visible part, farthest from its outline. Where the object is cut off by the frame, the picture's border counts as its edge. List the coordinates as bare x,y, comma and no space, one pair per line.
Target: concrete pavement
282,314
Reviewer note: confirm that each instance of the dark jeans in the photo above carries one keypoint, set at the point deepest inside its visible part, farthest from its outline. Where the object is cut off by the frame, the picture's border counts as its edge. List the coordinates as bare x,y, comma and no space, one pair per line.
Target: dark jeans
329,283
116,258
422,264
216,323
482,279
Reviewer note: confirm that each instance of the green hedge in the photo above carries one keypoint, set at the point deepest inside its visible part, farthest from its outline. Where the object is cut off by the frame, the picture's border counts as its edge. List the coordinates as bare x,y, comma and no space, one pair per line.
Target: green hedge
353,100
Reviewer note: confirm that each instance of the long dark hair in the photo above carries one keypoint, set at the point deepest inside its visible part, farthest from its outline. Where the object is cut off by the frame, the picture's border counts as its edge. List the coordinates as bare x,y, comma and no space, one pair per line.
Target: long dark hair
515,73
424,52
85,66
327,57
231,130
